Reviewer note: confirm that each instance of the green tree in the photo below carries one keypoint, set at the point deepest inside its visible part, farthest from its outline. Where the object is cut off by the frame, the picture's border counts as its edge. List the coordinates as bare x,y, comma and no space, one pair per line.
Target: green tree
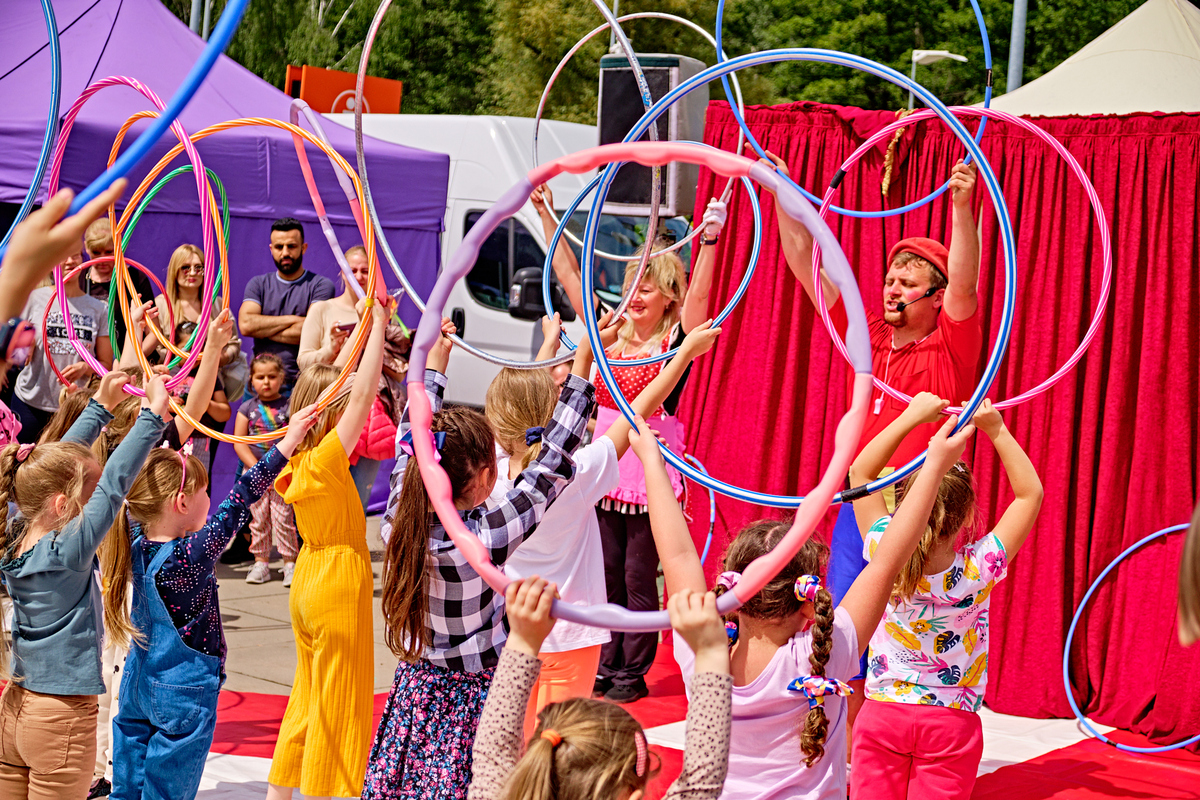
440,50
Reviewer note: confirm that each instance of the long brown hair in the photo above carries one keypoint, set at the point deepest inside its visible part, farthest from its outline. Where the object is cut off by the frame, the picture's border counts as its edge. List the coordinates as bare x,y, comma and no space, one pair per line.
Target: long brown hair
468,450
311,382
1189,584
953,511
777,600
49,470
70,406
595,757
519,399
154,487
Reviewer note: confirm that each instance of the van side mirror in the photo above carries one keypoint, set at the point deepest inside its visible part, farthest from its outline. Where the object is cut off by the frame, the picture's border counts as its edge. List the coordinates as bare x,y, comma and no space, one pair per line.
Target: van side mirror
525,296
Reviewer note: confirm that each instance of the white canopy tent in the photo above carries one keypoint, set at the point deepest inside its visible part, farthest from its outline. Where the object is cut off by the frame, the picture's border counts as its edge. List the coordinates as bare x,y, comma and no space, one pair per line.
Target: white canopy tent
1149,61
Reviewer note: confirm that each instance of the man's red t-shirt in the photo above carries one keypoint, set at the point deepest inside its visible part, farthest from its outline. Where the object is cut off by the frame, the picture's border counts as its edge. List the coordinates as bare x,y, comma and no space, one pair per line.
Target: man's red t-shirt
946,362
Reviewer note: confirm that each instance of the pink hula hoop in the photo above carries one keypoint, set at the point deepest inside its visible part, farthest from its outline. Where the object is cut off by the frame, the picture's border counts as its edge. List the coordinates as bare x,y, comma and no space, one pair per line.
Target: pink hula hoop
1097,209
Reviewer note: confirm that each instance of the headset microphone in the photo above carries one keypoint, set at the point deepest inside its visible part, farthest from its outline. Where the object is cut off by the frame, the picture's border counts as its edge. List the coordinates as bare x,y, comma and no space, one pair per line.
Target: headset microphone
930,292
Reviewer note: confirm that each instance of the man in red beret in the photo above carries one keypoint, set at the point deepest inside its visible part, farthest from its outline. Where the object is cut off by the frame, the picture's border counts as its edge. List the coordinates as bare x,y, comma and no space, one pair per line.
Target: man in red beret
930,339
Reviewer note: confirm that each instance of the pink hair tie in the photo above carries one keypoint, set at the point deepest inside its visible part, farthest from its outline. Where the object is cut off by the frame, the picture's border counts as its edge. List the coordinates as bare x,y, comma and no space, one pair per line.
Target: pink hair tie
727,580
639,741
23,452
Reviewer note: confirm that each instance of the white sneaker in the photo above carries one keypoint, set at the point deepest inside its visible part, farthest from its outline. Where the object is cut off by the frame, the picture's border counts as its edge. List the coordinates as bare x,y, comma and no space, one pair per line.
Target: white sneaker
289,567
259,573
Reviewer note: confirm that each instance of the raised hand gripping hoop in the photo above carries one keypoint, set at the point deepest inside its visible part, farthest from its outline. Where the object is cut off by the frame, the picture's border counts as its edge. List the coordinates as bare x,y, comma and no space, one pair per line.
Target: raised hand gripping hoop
437,484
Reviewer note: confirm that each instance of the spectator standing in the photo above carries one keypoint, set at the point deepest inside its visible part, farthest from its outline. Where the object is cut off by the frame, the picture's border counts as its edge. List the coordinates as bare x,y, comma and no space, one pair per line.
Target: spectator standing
276,304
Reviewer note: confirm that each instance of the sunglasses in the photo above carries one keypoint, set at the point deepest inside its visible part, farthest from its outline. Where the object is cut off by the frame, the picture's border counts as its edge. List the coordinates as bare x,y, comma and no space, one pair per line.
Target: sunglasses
196,268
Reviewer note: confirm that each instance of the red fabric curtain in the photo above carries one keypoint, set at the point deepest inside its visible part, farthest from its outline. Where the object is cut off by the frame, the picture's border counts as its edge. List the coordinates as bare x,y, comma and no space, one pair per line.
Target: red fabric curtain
1115,443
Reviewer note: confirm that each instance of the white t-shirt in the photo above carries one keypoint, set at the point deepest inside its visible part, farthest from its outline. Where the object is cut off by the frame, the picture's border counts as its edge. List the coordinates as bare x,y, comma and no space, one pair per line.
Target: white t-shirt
565,548
37,385
933,650
765,760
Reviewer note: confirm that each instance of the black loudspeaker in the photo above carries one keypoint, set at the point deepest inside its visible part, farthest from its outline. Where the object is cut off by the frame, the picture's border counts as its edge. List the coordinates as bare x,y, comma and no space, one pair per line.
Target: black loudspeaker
621,107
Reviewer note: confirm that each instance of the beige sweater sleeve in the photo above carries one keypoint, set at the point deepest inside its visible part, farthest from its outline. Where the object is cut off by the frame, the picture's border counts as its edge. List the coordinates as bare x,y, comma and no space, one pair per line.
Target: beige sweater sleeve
499,739
706,748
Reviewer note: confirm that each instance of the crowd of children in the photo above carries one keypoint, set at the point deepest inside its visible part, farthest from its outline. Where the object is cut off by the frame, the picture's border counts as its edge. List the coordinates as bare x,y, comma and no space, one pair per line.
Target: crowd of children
491,698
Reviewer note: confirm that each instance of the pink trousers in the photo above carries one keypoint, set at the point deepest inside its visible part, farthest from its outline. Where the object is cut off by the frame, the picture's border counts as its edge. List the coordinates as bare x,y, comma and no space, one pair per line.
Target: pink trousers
913,752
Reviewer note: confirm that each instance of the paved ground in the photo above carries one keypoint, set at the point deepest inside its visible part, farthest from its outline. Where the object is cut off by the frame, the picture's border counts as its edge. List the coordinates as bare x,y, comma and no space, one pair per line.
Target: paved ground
258,628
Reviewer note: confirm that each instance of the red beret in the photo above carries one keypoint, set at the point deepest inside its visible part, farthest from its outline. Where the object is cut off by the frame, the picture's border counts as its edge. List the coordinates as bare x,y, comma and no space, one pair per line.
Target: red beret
932,251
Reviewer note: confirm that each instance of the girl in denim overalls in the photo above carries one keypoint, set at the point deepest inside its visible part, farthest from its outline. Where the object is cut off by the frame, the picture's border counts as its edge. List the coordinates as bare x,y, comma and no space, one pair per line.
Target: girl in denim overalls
176,665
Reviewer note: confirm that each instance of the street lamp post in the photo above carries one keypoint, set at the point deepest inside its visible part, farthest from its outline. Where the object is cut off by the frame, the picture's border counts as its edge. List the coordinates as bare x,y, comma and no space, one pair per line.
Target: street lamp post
925,58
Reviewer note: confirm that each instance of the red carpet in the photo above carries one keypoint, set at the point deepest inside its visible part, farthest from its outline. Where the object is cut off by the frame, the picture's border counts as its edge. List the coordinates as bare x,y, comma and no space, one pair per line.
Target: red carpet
247,724
1091,770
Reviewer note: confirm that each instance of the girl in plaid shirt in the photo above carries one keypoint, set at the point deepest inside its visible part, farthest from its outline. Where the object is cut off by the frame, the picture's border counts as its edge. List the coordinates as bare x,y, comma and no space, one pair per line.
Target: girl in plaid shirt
443,621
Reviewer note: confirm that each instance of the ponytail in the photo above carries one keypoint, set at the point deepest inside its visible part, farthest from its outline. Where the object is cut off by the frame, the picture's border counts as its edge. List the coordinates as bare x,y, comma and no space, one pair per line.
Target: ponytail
816,725
468,450
953,512
581,749
517,401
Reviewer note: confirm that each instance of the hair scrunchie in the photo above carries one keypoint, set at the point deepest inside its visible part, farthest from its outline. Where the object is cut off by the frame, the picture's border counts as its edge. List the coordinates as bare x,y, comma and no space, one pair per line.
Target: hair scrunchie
533,435
817,688
807,587
439,441
552,736
727,580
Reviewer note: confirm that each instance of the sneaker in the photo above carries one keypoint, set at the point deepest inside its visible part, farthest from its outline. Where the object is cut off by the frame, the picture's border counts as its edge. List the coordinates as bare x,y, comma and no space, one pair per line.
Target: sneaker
626,694
601,686
259,573
289,567
101,788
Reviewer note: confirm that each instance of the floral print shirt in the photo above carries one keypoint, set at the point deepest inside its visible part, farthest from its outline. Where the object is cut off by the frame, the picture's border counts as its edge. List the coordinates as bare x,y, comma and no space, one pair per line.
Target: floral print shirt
932,650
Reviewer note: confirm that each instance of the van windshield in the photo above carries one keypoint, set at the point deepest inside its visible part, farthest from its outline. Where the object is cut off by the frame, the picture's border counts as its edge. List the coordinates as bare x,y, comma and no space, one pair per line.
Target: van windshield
622,235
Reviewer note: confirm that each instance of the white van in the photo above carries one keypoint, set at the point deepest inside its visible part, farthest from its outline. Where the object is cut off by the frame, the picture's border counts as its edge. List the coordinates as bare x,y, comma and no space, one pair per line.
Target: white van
488,155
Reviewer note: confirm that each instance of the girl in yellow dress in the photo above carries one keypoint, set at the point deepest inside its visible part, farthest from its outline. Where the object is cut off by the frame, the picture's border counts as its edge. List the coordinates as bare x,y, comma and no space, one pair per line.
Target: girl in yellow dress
326,730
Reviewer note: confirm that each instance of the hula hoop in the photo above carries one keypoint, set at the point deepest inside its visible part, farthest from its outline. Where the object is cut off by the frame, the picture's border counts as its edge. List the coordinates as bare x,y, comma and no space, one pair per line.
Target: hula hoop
128,233
226,26
51,123
74,273
739,293
712,507
369,241
848,430
1071,636
206,222
988,176
987,101
537,117
369,203
1097,209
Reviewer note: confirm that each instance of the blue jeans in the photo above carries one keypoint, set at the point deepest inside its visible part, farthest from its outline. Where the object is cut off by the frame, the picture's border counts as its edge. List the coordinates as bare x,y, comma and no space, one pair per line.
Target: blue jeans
164,729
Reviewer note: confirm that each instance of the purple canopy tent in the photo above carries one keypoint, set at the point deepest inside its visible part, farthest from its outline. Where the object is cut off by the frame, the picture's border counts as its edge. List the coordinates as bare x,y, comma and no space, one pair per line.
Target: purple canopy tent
144,40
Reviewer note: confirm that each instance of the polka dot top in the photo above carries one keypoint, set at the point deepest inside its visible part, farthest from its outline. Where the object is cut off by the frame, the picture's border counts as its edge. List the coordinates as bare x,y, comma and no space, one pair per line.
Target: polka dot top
186,582
632,380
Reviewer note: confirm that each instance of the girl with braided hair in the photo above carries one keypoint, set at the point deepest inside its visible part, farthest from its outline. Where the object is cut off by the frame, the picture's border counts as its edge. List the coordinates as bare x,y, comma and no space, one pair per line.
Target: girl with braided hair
791,650
919,733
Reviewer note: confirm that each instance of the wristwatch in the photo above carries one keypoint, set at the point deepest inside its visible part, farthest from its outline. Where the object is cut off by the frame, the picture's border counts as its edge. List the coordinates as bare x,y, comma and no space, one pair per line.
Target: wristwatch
705,240
16,340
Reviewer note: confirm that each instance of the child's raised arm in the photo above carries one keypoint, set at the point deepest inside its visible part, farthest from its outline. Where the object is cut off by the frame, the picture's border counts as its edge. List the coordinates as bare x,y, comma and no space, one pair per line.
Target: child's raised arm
220,331
1017,521
866,600
366,380
551,335
925,407
680,563
697,343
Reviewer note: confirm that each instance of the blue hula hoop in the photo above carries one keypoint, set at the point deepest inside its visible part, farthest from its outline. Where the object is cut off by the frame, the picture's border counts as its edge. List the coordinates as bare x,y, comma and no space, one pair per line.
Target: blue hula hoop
51,123
226,26
986,173
741,121
712,508
1071,636
756,247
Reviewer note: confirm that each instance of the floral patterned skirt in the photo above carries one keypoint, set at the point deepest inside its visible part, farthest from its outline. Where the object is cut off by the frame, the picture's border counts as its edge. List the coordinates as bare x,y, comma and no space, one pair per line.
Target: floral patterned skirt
422,749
